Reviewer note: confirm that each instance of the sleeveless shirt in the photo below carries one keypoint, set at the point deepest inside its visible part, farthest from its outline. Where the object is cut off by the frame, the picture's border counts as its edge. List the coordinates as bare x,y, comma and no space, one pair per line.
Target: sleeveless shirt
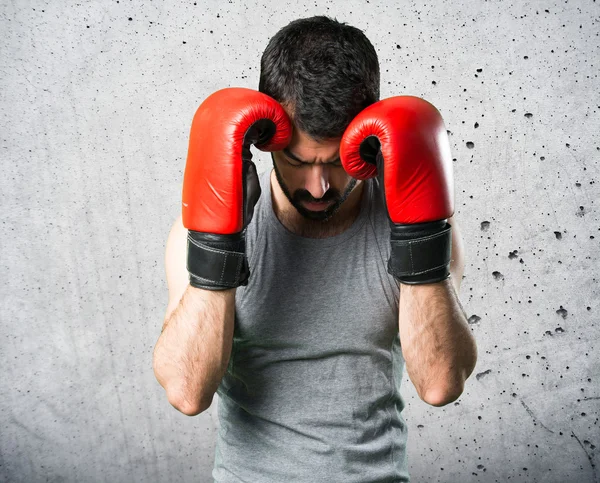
312,389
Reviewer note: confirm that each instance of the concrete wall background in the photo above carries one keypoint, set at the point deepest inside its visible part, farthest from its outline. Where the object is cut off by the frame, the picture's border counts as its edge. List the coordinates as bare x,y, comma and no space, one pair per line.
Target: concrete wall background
96,100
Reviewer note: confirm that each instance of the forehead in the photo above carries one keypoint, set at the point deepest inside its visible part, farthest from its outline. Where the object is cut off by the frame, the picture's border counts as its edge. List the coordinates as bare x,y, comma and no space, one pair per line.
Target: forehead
301,139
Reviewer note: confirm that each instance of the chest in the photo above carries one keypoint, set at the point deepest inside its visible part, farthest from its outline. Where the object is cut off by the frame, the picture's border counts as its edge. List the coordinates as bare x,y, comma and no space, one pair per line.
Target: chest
312,303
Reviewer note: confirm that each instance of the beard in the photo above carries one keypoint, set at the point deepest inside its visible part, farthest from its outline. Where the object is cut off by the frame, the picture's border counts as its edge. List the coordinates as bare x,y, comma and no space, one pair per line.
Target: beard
302,195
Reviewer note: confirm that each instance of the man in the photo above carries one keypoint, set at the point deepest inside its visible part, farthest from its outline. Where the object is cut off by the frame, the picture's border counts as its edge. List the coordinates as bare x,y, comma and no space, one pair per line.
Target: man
302,306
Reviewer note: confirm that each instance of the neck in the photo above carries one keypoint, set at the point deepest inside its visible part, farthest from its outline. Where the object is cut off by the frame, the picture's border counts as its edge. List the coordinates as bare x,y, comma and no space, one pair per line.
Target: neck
297,224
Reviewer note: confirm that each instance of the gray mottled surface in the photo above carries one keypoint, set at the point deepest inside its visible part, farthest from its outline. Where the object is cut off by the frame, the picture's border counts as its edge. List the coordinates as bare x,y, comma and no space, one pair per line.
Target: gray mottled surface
96,100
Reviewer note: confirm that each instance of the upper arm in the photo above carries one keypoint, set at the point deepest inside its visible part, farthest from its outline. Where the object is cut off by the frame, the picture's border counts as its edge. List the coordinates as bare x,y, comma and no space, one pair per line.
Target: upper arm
175,265
457,263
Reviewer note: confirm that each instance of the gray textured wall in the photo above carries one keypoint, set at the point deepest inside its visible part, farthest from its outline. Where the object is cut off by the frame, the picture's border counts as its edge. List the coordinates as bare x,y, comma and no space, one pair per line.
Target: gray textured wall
96,100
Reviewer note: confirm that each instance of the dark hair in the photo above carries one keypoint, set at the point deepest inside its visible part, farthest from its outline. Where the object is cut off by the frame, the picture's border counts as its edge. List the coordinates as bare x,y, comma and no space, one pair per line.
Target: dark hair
324,71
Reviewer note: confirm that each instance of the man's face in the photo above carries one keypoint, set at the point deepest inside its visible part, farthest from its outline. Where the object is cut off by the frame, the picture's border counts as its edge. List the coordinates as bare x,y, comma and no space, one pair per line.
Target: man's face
312,177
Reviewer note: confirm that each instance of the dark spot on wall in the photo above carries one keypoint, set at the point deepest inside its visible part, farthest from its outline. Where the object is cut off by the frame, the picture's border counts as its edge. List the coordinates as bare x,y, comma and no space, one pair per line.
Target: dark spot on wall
497,276
485,225
470,144
558,235
483,374
474,319
528,115
512,254
562,312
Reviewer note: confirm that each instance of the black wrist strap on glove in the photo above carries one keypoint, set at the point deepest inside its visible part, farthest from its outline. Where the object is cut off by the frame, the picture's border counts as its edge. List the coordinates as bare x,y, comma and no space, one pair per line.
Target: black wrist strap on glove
217,262
420,253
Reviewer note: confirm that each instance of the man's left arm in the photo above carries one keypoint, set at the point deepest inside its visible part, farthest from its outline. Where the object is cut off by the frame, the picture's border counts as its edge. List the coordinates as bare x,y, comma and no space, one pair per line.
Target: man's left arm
404,142
437,344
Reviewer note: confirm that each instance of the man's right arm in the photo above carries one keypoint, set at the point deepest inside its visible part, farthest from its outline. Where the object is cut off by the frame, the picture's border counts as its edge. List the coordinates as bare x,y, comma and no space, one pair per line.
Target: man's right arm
206,250
193,350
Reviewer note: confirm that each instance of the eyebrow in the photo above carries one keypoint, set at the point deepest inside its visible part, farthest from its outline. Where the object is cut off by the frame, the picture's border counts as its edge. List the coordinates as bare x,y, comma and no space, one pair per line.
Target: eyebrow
289,154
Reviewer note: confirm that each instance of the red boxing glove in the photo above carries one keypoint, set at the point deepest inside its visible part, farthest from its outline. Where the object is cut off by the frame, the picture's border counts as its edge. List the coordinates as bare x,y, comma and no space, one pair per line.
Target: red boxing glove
220,184
404,142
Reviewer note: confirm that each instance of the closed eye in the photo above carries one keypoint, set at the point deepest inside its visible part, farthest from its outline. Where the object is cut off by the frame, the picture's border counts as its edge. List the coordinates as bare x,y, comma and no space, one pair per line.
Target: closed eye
336,164
293,163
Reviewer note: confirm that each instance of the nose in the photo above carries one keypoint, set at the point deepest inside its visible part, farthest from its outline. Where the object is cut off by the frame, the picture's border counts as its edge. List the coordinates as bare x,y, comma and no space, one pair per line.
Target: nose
317,181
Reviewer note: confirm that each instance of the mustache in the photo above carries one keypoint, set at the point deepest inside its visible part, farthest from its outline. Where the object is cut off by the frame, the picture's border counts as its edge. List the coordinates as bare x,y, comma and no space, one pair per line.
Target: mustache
304,195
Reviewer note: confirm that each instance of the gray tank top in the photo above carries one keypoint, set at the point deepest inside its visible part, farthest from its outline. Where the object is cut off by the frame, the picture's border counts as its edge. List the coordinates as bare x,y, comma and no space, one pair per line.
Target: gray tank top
312,390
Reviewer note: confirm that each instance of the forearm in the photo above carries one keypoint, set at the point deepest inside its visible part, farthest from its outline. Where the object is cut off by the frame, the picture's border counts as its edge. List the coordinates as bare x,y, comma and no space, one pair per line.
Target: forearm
437,344
193,350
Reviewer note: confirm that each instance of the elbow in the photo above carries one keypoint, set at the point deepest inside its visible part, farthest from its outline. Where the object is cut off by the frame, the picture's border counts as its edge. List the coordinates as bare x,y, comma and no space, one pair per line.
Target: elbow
452,389
183,401
180,399
439,397
189,406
